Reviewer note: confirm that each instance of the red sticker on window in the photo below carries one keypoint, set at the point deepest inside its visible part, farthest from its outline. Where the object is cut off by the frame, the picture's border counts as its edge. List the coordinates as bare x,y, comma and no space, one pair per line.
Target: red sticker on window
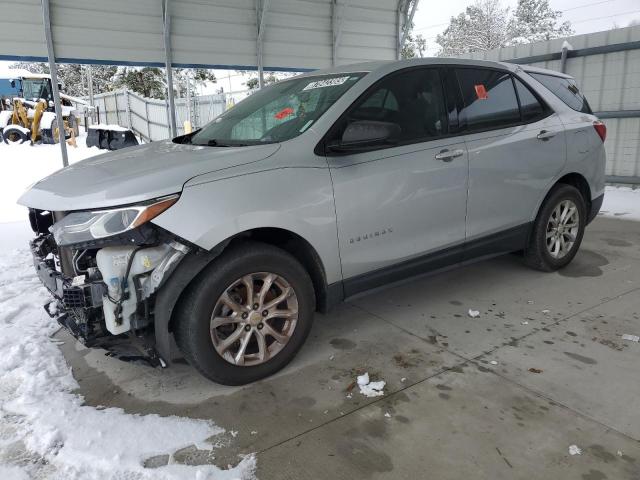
481,92
285,112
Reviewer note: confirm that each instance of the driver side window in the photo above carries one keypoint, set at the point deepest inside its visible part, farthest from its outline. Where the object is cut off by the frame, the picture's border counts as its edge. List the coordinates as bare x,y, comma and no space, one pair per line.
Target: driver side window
412,99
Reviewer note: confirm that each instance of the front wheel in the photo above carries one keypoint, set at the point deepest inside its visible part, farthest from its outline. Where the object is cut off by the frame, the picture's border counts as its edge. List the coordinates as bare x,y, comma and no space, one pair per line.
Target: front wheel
247,315
558,229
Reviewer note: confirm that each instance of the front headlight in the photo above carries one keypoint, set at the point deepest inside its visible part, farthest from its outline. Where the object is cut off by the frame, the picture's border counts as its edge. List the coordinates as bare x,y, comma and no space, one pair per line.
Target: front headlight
81,227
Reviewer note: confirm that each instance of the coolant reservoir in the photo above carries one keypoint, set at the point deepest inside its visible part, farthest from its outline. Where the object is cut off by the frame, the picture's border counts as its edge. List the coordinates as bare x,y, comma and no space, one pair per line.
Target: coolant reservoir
112,263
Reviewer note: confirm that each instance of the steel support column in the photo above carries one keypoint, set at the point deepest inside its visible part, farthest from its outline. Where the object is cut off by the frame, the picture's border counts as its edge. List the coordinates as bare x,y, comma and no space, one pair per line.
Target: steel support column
262,7
166,22
337,20
46,20
407,21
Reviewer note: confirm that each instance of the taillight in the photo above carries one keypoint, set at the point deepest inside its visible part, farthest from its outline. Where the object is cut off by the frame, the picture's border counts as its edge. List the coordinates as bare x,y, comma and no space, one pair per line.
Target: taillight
601,129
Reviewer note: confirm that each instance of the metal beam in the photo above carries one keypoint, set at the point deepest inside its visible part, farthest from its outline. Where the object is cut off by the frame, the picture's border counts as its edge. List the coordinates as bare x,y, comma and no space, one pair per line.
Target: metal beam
166,22
262,7
408,20
46,20
337,21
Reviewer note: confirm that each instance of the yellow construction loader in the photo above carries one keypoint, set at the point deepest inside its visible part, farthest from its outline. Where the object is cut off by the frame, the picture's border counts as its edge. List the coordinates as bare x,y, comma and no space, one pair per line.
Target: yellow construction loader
27,112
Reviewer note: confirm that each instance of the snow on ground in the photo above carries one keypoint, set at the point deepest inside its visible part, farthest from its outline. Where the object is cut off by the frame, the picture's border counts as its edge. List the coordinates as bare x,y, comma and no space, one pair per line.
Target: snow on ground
45,430
23,165
621,202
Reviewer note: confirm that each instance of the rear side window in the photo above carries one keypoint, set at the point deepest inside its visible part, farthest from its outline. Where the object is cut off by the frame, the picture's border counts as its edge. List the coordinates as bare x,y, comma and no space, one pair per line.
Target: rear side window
565,89
530,107
489,99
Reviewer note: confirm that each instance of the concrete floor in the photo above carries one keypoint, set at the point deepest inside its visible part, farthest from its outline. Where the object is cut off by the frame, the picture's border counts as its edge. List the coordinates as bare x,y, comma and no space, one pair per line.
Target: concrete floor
453,414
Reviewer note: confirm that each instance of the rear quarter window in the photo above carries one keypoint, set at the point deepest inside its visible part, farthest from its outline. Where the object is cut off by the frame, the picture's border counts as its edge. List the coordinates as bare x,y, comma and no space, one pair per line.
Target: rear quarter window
566,90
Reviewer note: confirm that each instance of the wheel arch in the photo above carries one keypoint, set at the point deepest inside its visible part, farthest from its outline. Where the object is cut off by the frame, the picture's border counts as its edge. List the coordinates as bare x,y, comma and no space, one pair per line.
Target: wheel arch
171,293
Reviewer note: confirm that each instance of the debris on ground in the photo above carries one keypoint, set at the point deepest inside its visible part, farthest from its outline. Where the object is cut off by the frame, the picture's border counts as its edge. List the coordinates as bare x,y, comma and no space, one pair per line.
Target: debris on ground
575,450
493,362
631,338
403,379
369,388
387,414
535,370
524,322
363,379
530,302
546,312
474,313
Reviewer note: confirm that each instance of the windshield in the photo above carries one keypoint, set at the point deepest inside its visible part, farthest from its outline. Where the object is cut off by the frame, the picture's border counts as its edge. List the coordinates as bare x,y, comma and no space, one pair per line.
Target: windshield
277,113
36,89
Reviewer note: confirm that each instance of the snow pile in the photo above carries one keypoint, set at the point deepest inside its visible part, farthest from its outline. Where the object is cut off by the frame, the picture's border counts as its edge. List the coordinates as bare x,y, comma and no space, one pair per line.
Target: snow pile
23,165
49,426
369,388
575,450
622,203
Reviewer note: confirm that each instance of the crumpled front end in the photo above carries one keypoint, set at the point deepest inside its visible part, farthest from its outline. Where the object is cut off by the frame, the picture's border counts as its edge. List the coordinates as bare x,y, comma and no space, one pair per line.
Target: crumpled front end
104,289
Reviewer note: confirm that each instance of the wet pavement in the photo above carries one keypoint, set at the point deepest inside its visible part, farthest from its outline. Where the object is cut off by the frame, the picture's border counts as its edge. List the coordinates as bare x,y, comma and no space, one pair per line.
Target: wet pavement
502,395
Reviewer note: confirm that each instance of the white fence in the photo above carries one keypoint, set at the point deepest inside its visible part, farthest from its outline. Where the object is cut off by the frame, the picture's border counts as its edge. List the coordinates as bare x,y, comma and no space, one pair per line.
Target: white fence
148,117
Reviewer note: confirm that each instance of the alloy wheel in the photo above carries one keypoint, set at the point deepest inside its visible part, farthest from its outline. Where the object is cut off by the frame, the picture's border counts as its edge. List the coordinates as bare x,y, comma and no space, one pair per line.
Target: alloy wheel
562,229
254,318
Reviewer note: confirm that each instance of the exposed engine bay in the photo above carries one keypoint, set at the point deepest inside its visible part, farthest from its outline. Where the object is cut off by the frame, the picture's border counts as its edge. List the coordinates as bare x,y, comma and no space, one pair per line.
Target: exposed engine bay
104,289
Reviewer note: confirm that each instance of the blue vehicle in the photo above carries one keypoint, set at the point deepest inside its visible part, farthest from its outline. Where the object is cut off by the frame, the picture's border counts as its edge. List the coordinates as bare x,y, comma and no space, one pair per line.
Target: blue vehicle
30,86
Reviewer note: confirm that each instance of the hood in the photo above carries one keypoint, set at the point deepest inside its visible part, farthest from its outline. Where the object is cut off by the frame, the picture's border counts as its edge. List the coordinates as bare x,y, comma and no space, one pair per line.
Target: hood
135,174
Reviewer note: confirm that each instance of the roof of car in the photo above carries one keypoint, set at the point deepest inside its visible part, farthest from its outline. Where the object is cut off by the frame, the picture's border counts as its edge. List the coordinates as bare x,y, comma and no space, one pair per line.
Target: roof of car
398,64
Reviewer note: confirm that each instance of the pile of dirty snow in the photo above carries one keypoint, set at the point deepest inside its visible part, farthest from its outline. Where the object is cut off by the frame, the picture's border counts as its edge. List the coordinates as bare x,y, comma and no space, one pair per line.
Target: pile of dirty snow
622,203
47,432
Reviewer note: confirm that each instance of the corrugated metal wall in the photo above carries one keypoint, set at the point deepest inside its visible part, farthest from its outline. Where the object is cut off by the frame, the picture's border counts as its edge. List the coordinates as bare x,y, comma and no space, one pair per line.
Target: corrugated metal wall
610,80
212,33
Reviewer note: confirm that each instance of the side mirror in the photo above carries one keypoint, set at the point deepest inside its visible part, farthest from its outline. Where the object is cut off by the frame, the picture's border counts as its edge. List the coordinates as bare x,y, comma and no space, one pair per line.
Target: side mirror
364,134
13,84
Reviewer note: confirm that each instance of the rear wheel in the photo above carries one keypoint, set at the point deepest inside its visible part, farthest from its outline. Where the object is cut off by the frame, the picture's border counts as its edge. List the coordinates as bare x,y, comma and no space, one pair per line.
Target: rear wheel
558,229
247,315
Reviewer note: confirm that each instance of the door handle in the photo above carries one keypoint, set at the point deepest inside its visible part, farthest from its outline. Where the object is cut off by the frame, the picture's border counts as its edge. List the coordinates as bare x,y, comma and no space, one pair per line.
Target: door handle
545,135
447,155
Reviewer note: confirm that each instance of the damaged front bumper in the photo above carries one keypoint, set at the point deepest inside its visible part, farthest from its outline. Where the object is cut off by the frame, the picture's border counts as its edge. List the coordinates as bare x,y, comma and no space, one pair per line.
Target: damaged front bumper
105,297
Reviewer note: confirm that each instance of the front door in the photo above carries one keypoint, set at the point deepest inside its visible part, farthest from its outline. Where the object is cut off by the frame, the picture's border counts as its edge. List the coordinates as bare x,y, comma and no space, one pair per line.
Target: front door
396,205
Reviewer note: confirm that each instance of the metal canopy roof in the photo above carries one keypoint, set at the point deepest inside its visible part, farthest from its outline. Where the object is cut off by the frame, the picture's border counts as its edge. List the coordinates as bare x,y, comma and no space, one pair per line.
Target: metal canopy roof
240,34
286,34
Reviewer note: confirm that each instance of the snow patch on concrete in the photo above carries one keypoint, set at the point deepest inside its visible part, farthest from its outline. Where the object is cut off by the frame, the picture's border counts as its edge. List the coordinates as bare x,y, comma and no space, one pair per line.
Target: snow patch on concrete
622,203
45,421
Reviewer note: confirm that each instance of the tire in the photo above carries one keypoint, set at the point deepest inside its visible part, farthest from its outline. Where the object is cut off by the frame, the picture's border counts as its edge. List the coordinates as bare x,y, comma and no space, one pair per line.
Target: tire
197,337
11,135
545,253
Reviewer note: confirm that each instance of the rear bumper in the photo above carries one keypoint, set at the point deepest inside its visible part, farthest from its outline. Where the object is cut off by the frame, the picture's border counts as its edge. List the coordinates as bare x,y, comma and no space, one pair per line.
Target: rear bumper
596,205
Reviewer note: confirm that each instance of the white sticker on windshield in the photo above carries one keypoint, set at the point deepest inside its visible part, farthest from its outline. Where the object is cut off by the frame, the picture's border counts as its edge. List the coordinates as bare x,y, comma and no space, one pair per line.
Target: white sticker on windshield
327,82
305,126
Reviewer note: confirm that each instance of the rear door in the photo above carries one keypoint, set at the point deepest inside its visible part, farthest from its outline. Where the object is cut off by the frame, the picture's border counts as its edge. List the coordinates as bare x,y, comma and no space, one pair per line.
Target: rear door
395,204
516,147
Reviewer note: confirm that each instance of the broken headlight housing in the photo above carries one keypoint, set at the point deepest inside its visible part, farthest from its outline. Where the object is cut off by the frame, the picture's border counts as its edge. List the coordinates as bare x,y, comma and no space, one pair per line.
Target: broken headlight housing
87,226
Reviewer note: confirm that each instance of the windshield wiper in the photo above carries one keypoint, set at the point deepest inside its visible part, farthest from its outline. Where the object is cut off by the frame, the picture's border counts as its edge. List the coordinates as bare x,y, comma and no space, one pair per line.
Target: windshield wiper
216,143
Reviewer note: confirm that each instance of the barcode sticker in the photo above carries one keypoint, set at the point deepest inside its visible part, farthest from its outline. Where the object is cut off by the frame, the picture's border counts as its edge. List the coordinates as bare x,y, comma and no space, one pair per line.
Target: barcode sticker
327,82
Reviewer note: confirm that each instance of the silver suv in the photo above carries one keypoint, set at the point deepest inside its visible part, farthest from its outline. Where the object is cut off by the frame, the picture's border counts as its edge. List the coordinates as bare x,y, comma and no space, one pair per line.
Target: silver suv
228,239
